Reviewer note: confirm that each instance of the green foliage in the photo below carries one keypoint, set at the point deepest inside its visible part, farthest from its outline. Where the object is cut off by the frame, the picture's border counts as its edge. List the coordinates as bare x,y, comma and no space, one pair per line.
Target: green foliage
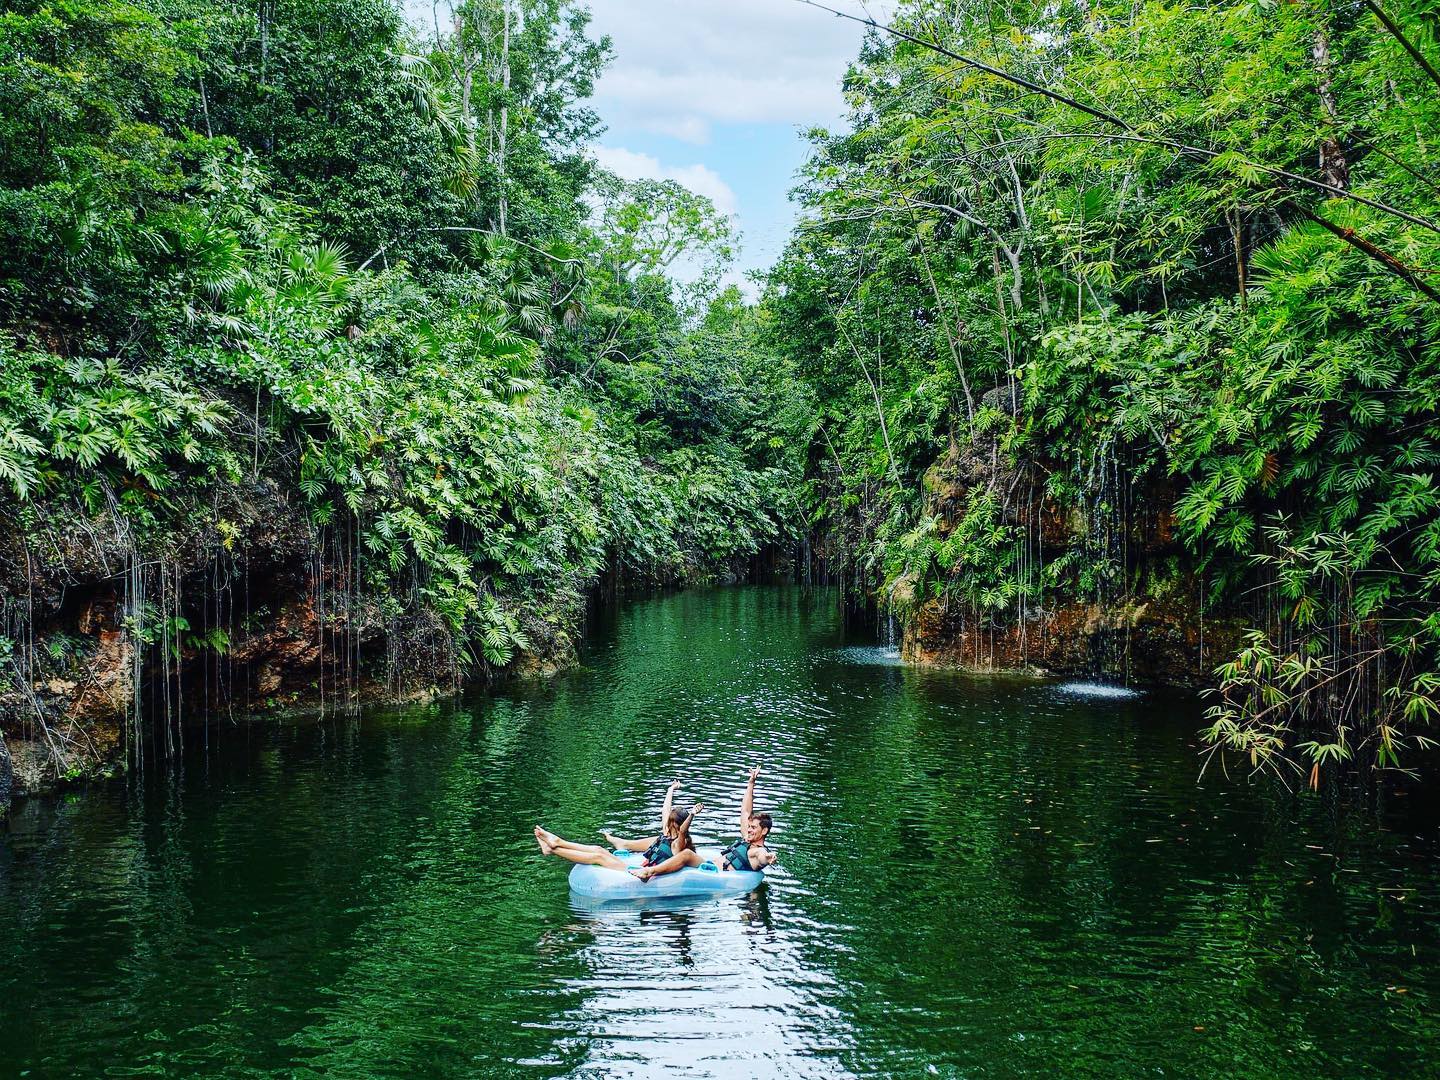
319,255
972,560
1174,305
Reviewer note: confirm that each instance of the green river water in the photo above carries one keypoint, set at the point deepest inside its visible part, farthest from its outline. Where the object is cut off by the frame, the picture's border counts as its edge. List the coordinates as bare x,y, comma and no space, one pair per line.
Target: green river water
977,878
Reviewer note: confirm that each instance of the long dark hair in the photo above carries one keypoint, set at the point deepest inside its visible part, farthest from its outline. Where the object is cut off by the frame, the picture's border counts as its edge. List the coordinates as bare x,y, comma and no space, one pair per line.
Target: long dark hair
678,820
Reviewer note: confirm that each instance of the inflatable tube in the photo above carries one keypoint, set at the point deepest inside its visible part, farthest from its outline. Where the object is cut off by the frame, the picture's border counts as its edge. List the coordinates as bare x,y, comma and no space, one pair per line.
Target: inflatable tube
706,880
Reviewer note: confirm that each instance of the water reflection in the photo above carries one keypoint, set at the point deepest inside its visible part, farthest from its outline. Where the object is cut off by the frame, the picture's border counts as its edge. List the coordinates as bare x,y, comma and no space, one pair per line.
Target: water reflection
879,655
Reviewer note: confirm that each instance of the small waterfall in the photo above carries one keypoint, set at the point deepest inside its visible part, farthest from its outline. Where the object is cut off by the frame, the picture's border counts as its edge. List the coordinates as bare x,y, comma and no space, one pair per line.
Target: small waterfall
1107,523
890,637
7,775
874,623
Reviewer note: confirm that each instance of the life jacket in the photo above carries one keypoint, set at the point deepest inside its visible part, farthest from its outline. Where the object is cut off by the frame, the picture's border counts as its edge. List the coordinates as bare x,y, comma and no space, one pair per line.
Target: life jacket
659,851
737,855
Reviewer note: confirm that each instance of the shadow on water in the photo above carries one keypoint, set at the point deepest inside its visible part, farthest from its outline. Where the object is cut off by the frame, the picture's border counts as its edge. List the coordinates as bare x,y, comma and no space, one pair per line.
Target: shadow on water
978,877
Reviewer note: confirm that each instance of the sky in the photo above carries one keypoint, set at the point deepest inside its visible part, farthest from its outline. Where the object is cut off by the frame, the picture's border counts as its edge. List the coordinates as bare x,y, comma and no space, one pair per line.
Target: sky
717,94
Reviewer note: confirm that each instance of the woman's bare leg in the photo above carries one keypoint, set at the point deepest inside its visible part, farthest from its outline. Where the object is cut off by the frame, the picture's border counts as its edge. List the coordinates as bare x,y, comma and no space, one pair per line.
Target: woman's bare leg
678,861
549,839
621,844
586,854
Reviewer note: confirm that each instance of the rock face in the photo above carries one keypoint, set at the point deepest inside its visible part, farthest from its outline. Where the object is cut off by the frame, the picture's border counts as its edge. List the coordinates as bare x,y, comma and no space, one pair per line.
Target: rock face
1152,640
107,685
289,643
1108,591
7,773
245,601
239,604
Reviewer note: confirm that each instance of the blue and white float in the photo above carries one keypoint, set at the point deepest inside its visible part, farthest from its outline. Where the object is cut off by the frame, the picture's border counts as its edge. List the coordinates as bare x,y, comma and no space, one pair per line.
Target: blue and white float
704,880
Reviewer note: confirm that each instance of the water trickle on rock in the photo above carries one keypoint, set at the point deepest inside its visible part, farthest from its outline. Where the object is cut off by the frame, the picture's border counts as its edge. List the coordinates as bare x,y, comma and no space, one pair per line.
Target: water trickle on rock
1107,532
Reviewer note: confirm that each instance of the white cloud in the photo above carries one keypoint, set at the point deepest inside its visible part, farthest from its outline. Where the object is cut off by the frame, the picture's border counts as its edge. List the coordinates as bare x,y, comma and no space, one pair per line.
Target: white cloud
682,65
700,179
688,129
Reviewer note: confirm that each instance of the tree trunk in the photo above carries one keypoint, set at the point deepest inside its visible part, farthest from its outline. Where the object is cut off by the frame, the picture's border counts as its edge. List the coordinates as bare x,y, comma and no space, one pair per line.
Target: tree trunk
1334,169
1013,258
467,87
503,135
949,335
1236,220
1017,296
874,393
264,17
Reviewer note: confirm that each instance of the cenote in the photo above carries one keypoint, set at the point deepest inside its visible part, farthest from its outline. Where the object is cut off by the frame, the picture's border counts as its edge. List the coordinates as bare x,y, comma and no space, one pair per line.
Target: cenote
977,878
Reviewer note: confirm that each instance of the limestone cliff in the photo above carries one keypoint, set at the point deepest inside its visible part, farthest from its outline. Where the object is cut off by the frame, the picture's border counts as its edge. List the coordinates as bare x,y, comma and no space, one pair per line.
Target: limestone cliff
1104,587
247,607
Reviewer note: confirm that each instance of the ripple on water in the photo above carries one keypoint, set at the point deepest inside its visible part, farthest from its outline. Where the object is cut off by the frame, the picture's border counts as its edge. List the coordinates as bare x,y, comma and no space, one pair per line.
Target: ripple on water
875,655
1095,690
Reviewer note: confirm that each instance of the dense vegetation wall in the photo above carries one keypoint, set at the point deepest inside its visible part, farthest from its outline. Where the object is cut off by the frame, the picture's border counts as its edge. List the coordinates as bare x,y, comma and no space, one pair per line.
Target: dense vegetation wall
1124,337
332,367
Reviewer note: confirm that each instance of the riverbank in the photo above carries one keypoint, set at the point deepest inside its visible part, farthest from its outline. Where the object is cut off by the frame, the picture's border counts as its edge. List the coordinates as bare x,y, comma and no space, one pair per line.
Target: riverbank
321,403
1007,572
100,694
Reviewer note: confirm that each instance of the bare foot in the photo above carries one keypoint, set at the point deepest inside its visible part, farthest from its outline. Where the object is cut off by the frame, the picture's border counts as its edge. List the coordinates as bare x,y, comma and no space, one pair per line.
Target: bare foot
643,873
613,841
543,839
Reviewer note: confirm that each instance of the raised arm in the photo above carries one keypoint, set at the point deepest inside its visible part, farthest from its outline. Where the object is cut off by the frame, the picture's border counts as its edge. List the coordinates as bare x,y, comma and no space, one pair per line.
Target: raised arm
747,803
665,810
690,820
684,856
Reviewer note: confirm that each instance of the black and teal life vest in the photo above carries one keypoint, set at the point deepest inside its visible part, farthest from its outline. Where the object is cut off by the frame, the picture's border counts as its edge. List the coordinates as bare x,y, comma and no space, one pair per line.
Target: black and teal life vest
659,851
737,855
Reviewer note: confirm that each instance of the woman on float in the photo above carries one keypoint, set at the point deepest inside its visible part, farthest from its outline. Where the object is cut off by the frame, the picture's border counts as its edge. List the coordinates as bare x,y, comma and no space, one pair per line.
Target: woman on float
674,838
747,853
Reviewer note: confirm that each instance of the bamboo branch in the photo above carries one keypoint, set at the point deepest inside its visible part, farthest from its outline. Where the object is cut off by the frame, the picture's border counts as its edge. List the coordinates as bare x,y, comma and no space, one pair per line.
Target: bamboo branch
1202,152
1399,35
507,239
945,325
1406,273
875,393
1018,80
1132,134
